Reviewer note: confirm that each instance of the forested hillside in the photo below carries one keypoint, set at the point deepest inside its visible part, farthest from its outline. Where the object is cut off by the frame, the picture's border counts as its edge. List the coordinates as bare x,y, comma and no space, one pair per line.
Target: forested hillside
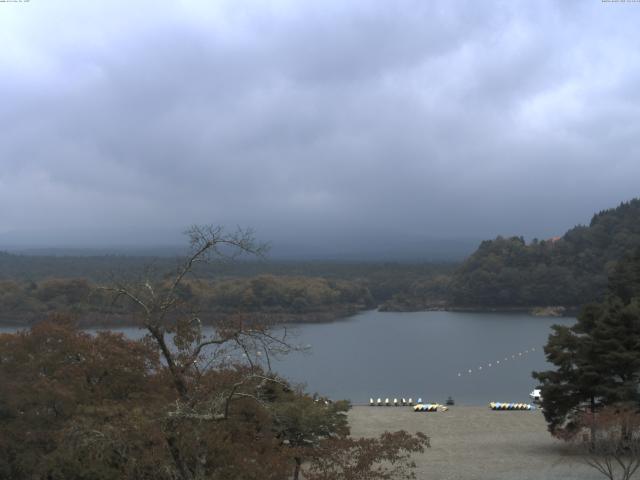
33,286
282,298
503,273
571,270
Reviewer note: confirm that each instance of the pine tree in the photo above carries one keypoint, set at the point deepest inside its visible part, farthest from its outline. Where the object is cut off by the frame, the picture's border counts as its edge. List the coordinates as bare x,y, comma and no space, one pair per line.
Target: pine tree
625,281
597,360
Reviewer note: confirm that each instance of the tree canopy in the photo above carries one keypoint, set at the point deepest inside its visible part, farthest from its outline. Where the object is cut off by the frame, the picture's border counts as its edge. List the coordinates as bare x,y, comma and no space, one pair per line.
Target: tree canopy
571,270
180,404
597,360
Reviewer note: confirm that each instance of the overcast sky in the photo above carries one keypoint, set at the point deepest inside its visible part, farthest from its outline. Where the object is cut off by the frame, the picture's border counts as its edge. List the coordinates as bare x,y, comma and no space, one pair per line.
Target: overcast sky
341,118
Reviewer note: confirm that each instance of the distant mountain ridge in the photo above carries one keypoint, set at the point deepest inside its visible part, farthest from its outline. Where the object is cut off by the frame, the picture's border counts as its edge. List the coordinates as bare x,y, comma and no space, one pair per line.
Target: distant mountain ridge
347,248
571,270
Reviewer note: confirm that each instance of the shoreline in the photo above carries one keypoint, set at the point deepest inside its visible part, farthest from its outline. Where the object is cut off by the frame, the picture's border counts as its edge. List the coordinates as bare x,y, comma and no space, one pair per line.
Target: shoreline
321,317
534,310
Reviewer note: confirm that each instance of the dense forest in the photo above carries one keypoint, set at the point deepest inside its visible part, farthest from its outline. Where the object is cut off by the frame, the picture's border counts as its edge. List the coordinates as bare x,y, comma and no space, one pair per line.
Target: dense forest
281,298
503,273
571,270
33,286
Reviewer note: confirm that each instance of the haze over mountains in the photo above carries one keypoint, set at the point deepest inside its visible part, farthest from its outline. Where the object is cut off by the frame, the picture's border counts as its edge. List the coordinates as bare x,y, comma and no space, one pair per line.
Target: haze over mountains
168,243
366,244
562,273
327,126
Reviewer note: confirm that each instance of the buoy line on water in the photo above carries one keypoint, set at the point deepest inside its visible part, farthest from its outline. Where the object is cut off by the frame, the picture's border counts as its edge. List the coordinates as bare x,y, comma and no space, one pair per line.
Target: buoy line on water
497,363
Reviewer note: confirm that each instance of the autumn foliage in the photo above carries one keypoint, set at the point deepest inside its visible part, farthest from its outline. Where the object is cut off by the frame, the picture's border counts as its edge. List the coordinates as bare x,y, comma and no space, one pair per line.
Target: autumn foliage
180,404
81,406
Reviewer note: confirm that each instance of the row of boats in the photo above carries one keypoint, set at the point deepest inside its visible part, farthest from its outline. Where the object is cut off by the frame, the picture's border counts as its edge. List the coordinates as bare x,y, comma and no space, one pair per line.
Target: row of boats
432,407
511,406
402,402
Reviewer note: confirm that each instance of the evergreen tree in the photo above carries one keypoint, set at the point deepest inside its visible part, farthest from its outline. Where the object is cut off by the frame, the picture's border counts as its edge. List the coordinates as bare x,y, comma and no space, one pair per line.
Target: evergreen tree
625,281
575,381
571,270
598,359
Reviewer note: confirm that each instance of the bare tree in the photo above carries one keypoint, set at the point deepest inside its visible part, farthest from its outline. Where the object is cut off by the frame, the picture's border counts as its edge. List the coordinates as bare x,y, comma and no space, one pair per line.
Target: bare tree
175,327
612,446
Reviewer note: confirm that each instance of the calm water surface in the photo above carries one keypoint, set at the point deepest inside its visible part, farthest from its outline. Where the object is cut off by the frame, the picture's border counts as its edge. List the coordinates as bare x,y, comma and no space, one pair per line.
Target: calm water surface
422,354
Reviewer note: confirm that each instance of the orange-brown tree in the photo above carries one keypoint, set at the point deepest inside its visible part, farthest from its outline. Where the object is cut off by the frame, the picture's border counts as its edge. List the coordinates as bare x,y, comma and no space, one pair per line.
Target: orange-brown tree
613,444
179,404
77,406
195,362
66,393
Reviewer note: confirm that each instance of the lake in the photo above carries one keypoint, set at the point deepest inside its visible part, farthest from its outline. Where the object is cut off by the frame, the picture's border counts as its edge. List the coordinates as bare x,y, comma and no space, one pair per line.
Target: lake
424,354
473,357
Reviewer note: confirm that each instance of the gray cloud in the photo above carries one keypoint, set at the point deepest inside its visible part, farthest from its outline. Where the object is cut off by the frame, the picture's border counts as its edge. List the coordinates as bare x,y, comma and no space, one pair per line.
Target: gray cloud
411,119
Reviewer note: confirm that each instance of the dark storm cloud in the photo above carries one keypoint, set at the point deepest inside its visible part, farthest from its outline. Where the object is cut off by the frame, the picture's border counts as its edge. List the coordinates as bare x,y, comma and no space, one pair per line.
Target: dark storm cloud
417,118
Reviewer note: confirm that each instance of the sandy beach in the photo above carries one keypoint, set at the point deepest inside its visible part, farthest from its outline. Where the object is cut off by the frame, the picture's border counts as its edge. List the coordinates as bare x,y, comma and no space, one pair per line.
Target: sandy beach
478,443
